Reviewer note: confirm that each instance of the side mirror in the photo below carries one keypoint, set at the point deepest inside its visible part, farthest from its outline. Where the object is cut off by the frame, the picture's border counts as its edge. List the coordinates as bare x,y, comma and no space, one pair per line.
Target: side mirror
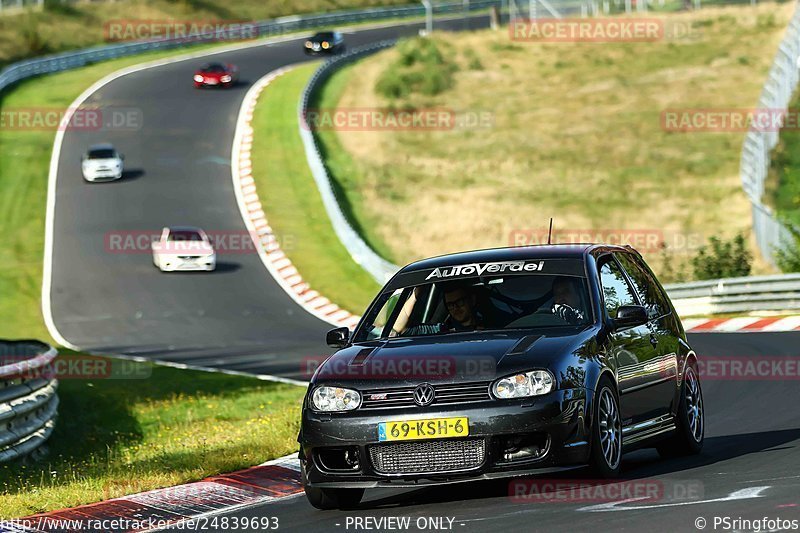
630,316
338,338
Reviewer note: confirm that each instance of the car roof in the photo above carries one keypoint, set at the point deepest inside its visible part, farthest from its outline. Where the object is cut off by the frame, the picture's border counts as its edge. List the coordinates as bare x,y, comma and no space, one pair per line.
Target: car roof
101,146
516,253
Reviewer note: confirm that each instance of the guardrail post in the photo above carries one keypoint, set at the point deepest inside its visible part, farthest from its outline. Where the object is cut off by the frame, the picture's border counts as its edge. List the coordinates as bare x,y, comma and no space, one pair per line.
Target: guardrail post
428,16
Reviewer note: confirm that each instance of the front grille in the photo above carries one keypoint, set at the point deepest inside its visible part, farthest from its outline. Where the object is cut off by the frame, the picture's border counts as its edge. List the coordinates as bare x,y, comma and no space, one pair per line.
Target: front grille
445,394
428,456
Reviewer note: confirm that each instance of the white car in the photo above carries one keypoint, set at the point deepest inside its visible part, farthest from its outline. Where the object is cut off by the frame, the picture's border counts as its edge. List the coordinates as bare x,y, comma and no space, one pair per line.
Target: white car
102,162
183,248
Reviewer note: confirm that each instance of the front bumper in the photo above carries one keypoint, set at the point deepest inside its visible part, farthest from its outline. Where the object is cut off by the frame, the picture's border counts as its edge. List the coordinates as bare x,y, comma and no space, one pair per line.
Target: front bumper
321,51
103,175
559,417
200,264
213,83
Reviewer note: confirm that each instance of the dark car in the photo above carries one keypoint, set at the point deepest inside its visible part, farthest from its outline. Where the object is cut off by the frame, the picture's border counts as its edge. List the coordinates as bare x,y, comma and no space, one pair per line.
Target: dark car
216,75
325,42
500,363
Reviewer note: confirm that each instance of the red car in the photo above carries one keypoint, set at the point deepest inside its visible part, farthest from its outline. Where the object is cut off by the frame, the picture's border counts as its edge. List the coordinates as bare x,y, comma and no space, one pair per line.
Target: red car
216,75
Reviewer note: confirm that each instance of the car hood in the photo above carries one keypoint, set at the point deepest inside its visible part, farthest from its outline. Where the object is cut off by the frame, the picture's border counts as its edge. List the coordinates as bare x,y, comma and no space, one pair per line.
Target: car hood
454,358
215,75
97,163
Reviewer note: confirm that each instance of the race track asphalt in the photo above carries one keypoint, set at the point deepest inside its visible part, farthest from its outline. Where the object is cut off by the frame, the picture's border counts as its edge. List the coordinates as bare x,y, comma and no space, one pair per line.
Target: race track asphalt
108,298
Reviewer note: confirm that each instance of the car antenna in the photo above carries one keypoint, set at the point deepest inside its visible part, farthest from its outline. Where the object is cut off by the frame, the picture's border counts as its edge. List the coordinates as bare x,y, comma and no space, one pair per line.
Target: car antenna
550,233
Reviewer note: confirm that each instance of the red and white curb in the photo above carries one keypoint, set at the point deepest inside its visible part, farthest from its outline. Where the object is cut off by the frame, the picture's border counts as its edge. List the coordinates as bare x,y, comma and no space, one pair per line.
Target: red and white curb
276,261
162,508
742,324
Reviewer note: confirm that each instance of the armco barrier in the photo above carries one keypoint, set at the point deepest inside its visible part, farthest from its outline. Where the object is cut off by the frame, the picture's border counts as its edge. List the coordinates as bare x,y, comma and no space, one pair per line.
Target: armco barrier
378,267
28,400
737,295
781,83
280,26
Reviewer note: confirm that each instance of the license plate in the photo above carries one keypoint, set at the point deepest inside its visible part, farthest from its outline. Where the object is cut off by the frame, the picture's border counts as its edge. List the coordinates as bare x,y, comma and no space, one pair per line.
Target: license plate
428,428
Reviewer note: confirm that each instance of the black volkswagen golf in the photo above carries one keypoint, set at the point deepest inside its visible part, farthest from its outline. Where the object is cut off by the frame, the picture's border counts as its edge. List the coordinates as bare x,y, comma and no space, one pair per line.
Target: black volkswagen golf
500,363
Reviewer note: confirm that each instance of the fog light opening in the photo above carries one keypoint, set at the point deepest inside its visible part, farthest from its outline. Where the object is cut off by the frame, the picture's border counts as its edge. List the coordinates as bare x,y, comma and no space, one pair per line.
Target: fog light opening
339,459
524,447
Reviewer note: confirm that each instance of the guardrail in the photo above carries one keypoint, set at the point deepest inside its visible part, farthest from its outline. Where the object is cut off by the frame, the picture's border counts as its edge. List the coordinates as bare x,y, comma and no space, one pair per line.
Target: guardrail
735,295
275,27
28,399
378,267
781,83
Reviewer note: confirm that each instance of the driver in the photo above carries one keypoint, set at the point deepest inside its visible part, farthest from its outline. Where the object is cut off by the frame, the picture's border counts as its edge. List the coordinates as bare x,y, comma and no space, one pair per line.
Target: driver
463,315
567,300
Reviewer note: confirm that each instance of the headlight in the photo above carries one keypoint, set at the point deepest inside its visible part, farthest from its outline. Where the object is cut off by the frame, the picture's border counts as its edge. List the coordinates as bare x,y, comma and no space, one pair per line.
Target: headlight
308,44
225,79
325,45
534,383
335,399
198,78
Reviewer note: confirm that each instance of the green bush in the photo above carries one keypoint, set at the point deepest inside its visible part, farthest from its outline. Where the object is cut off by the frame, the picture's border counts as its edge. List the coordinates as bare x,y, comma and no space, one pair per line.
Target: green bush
30,35
788,257
420,68
473,62
723,259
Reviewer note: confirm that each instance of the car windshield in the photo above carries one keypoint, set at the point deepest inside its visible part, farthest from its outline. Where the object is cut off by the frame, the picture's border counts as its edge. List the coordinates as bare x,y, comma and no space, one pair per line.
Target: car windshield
183,235
104,153
511,300
324,36
214,67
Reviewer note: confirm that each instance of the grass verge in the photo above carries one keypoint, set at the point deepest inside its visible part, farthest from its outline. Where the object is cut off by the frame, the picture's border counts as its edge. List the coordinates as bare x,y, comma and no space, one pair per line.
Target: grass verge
783,182
575,133
292,202
121,436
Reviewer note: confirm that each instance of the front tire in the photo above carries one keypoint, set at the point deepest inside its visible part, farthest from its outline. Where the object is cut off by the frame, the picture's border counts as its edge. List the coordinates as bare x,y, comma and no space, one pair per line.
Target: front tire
690,421
327,499
606,451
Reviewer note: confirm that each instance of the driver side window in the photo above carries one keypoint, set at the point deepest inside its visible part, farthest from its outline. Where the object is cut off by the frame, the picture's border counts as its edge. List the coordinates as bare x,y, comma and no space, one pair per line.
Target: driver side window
616,291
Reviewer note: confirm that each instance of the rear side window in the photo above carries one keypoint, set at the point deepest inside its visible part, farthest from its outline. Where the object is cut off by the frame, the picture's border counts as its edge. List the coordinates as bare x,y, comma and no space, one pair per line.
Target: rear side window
649,293
616,291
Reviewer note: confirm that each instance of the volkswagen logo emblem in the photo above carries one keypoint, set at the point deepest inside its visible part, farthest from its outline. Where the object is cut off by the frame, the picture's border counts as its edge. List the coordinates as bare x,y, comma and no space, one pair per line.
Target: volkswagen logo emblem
424,394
